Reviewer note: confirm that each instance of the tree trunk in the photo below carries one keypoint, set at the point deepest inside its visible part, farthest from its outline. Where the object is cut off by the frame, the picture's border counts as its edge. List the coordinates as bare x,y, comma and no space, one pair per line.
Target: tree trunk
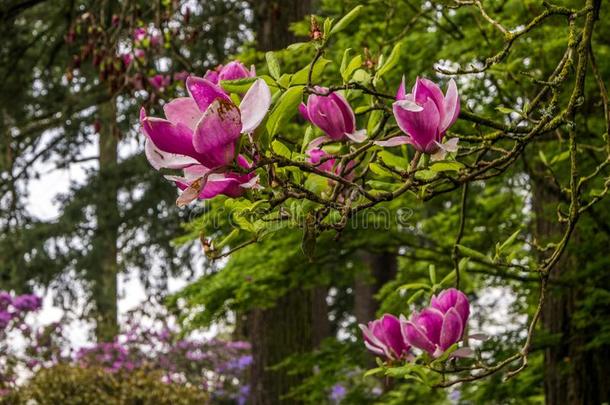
573,373
273,18
105,243
295,325
380,268
299,320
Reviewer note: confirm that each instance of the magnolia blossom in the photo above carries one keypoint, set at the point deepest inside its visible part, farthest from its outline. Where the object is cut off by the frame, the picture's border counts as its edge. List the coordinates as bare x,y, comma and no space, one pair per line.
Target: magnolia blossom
139,34
231,71
424,115
326,162
439,326
159,82
200,136
384,338
332,114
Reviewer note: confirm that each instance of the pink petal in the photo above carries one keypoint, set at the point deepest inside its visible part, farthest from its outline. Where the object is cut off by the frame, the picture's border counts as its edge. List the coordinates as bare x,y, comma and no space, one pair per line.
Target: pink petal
204,92
463,352
303,111
326,114
430,320
183,110
425,89
167,137
451,105
217,132
159,159
417,338
452,329
401,93
349,119
254,106
421,126
357,136
395,141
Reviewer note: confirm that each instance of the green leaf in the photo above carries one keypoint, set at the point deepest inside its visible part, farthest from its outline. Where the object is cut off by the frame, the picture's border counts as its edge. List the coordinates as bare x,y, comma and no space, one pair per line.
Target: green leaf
506,110
380,170
346,20
347,69
448,279
228,239
298,46
300,77
425,175
273,65
373,371
432,273
511,239
390,63
285,108
414,286
452,166
543,157
415,296
328,22
374,120
281,149
561,157
361,76
238,86
466,251
391,159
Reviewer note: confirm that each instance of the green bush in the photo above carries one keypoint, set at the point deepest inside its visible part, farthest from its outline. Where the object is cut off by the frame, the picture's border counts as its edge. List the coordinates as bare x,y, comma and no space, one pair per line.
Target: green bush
72,385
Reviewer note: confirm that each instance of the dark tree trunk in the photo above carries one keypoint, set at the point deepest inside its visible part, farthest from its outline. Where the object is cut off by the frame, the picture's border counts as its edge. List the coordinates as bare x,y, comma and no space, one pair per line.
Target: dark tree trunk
573,374
295,325
299,320
272,19
105,243
380,268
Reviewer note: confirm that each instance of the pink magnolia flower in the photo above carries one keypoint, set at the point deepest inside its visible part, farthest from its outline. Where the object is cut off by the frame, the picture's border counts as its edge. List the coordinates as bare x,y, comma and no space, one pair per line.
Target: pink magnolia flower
127,59
333,115
231,71
326,162
200,136
424,115
139,34
181,76
439,326
384,338
159,82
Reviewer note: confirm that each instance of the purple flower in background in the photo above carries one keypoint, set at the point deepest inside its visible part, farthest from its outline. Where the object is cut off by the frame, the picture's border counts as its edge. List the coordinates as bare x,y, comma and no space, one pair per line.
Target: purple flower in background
424,115
337,393
5,318
200,136
27,302
5,299
384,338
332,114
439,326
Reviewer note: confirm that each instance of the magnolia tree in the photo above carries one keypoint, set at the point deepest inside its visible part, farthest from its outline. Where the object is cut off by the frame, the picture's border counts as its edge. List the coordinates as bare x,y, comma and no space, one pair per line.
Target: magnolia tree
291,150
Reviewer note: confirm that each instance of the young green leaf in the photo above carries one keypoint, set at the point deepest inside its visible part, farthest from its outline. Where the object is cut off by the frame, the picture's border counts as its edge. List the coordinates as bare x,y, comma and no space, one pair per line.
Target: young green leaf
285,108
273,65
346,20
390,63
